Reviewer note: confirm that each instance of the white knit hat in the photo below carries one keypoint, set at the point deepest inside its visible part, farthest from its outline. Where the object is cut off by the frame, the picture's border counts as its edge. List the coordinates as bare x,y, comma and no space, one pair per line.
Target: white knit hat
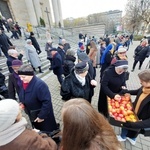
9,109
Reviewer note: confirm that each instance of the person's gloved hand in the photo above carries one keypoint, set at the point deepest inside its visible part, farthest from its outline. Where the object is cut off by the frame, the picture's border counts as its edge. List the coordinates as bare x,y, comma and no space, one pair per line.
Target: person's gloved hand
128,124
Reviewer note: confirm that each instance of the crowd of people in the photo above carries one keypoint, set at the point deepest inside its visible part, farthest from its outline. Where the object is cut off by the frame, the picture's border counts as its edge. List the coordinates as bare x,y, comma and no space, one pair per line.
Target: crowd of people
83,126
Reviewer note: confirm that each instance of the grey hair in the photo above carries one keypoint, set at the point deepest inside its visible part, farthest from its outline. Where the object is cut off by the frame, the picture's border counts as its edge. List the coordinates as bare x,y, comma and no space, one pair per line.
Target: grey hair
12,51
28,41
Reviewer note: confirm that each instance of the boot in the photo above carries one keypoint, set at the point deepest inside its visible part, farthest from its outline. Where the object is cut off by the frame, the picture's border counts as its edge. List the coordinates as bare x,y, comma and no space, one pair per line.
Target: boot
40,71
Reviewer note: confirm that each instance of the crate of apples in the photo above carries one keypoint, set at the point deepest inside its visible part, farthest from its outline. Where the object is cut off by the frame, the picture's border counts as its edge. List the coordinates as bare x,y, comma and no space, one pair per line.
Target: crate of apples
121,111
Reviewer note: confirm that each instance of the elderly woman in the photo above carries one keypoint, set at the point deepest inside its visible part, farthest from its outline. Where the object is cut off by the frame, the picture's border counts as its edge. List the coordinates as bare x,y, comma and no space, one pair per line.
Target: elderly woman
36,98
13,55
85,129
32,55
13,132
112,84
14,82
78,84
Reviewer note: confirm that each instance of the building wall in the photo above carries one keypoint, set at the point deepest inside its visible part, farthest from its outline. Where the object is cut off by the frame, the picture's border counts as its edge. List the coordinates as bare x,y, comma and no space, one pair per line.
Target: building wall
19,10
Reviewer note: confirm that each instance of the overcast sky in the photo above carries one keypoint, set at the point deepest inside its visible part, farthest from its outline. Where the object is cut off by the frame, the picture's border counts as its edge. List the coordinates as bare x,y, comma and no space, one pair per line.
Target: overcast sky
82,8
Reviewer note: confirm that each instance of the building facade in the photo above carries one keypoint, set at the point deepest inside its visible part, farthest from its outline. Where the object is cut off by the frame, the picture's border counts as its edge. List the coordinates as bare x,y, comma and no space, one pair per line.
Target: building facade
24,11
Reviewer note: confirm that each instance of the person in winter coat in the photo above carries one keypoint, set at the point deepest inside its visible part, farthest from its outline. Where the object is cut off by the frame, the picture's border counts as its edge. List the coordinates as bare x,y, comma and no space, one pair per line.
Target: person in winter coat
84,57
78,84
141,52
14,82
141,107
86,129
13,132
32,56
57,64
92,55
112,84
66,45
48,47
35,43
61,51
107,56
3,88
69,62
13,55
34,94
4,43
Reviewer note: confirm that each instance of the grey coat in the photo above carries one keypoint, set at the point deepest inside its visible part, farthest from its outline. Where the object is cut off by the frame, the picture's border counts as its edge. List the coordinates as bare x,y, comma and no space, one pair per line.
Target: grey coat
32,56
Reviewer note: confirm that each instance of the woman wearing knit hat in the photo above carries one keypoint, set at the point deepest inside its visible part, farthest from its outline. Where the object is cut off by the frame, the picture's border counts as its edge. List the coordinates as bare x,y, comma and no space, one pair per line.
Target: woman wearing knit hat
78,84
14,82
142,109
13,132
112,84
36,98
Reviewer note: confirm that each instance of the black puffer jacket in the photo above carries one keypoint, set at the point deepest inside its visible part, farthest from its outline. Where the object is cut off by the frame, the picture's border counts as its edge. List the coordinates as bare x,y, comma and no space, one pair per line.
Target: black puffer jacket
2,79
72,88
141,53
68,64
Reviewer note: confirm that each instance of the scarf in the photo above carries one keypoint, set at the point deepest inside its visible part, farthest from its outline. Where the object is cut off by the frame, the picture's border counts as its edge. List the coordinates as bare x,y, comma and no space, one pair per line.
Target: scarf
12,132
80,79
146,92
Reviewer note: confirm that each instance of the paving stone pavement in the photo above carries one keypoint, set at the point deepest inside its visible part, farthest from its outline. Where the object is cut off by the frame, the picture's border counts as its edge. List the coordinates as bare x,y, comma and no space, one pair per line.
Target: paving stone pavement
143,143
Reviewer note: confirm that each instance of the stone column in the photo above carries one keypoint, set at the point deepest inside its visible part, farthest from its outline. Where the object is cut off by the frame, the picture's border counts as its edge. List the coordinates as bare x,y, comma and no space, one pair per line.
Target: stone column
60,13
37,9
55,10
31,12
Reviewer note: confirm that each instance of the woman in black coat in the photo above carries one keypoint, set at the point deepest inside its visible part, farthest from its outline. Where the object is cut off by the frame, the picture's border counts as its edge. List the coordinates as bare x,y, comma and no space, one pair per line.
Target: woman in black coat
78,84
35,43
141,52
141,107
14,82
69,62
112,84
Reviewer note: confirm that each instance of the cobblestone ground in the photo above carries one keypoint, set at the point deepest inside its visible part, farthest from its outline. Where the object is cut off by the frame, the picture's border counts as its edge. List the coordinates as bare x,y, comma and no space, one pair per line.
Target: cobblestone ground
143,143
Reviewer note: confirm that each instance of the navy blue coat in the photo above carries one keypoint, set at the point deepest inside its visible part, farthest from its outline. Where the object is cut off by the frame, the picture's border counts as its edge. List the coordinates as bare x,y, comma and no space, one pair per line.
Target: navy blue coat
57,64
37,96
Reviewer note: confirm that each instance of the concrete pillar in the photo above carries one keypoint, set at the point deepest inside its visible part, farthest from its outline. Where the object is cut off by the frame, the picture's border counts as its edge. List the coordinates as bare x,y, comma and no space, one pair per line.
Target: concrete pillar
60,13
55,10
37,9
31,12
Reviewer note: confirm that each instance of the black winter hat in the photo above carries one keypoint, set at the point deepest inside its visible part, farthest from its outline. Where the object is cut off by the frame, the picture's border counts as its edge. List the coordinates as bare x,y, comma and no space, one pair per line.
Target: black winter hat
121,64
81,67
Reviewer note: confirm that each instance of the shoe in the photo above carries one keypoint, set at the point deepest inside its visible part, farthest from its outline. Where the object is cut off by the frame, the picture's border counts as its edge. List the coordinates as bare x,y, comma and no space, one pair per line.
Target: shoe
132,141
132,70
41,72
120,138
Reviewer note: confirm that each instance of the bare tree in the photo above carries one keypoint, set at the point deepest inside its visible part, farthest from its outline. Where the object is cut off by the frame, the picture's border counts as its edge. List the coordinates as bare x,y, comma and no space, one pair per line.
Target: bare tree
137,15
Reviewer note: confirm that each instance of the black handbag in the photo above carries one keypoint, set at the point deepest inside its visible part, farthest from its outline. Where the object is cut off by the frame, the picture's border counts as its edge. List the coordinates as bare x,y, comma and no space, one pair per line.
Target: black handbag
3,88
34,114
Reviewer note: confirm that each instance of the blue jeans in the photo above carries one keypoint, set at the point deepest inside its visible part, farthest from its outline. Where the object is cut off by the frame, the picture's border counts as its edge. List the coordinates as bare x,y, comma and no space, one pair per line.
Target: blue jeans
124,133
